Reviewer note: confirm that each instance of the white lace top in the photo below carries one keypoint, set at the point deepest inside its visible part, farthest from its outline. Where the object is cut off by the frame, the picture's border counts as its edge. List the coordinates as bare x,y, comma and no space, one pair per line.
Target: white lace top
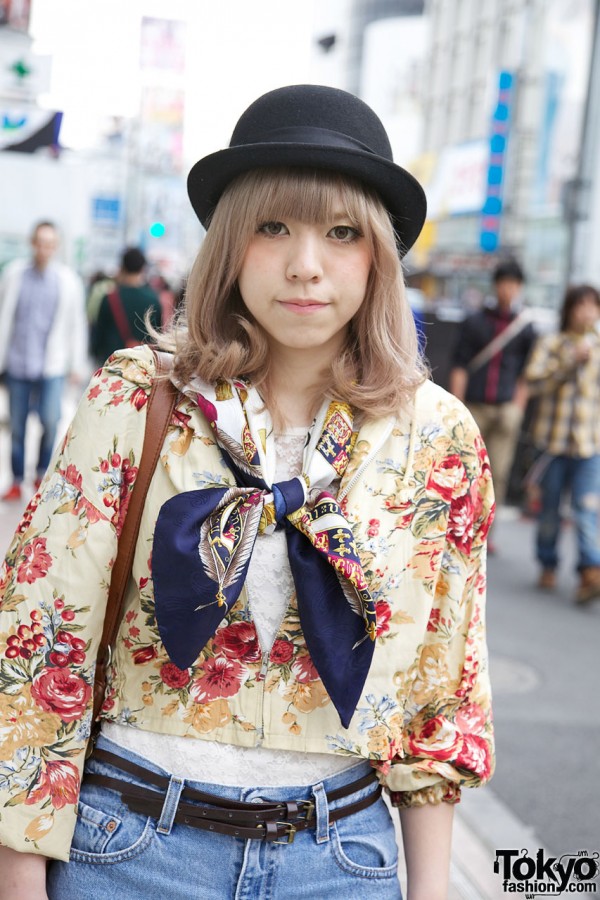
269,584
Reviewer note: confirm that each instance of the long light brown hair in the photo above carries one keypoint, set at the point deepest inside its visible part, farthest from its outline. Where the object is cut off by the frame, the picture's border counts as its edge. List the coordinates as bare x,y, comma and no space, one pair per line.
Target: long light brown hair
215,337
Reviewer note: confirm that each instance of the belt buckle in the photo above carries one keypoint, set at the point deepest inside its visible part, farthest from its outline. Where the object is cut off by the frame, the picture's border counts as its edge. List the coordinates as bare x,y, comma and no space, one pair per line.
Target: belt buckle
290,835
309,807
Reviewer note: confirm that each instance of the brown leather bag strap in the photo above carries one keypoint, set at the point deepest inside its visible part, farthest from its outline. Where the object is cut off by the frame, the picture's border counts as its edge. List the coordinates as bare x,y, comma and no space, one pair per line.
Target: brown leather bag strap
161,404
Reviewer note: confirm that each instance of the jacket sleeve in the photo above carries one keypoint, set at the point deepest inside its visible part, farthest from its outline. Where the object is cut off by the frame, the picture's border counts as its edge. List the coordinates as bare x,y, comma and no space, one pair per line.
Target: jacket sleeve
468,343
53,590
447,739
551,364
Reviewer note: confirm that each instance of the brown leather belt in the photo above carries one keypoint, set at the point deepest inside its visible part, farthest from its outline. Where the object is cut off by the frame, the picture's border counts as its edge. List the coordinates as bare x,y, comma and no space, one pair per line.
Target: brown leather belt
276,822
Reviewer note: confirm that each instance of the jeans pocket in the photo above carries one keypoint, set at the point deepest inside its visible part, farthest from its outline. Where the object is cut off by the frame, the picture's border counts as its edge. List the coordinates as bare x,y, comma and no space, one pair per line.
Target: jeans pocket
364,844
107,832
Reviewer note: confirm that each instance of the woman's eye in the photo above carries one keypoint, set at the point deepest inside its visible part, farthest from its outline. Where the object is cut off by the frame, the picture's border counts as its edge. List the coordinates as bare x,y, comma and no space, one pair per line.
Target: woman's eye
273,229
344,233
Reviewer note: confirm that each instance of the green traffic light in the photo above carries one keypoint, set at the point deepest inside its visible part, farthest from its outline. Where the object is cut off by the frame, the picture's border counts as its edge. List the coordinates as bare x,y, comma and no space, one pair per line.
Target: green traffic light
157,229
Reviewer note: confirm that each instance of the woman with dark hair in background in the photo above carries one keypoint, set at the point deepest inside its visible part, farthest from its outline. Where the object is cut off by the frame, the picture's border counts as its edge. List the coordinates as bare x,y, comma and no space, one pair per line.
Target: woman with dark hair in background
564,375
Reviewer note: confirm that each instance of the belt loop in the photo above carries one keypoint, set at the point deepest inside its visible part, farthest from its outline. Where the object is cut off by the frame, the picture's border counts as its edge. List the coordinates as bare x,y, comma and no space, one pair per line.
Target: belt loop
167,815
321,813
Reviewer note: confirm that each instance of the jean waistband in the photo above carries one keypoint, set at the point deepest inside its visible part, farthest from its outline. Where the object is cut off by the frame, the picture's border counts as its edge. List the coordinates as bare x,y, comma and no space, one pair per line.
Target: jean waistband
236,812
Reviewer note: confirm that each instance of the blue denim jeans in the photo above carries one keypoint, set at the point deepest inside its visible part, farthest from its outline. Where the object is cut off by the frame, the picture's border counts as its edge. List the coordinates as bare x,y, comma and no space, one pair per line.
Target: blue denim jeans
119,853
43,396
582,477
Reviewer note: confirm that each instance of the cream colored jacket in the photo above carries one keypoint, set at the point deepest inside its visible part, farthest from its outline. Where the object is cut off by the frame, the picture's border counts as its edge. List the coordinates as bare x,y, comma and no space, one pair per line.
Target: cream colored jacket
418,495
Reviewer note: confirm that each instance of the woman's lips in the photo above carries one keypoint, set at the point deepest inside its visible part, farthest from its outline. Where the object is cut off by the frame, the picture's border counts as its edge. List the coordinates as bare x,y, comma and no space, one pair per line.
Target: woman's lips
303,307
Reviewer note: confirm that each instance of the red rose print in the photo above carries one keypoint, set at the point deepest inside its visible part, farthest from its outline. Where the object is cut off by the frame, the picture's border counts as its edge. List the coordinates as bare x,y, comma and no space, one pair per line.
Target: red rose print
281,652
446,476
437,739
74,477
59,780
37,561
173,676
222,678
471,719
384,614
61,692
145,655
238,641
460,523
373,529
304,669
180,419
59,659
475,756
94,392
434,619
139,398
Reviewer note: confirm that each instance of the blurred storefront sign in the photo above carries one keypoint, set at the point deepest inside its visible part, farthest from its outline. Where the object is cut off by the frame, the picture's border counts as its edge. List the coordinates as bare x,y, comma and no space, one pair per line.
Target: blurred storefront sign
448,263
458,183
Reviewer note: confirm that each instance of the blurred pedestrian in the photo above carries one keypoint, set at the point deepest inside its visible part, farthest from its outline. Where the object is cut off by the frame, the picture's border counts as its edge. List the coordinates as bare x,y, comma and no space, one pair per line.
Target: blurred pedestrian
564,374
305,620
43,339
166,295
121,314
489,357
99,285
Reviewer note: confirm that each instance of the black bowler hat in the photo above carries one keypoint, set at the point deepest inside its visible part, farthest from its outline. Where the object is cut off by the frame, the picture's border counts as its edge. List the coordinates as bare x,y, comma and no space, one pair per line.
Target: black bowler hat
313,126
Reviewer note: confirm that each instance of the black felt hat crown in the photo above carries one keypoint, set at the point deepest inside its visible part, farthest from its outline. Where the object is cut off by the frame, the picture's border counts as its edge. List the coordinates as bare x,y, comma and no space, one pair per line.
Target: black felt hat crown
315,127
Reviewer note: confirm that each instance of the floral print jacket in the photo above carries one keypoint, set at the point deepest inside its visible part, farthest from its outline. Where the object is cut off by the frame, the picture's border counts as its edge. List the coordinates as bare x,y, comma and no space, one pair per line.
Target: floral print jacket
418,495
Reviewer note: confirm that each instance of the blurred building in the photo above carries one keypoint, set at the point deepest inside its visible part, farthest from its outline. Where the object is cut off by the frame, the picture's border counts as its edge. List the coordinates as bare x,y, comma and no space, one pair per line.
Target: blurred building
113,175
485,100
376,49
583,197
504,99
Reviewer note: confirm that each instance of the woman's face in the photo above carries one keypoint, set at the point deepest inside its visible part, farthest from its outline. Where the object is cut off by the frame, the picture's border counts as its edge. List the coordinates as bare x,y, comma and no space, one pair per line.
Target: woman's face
584,314
304,282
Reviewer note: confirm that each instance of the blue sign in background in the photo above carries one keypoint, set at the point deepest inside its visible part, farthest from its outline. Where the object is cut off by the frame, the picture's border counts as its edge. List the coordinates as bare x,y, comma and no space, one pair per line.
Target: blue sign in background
107,210
491,214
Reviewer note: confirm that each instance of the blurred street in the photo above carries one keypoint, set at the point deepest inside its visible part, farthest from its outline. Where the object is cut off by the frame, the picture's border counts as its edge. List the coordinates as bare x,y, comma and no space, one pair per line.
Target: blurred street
544,668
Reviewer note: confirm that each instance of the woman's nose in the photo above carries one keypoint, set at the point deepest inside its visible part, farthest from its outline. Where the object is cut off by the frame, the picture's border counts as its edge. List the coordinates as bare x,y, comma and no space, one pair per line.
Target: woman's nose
304,260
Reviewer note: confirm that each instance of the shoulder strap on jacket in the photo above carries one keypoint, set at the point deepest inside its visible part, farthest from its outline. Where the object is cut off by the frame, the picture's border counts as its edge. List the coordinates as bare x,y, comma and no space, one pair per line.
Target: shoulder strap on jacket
498,343
161,404
118,312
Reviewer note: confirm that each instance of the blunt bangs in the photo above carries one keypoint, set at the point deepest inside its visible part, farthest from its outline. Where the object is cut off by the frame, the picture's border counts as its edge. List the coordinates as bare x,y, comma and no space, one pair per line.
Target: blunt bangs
313,196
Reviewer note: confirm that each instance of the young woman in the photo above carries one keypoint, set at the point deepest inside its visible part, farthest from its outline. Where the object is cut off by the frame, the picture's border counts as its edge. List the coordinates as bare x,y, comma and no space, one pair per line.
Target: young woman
305,619
564,374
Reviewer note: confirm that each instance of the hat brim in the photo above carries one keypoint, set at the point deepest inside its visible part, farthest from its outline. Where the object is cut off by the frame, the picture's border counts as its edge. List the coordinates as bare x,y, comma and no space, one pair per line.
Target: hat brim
402,194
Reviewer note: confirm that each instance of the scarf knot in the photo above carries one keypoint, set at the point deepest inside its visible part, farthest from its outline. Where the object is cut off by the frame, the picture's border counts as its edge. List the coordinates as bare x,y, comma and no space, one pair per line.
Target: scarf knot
203,543
288,497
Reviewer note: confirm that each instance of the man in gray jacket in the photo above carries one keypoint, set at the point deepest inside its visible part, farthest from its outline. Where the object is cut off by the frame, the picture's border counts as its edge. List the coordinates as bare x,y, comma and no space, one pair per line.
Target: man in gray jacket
43,339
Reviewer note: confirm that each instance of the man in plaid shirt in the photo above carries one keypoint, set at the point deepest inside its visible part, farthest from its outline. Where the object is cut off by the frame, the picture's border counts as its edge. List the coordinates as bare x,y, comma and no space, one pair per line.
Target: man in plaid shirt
564,374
